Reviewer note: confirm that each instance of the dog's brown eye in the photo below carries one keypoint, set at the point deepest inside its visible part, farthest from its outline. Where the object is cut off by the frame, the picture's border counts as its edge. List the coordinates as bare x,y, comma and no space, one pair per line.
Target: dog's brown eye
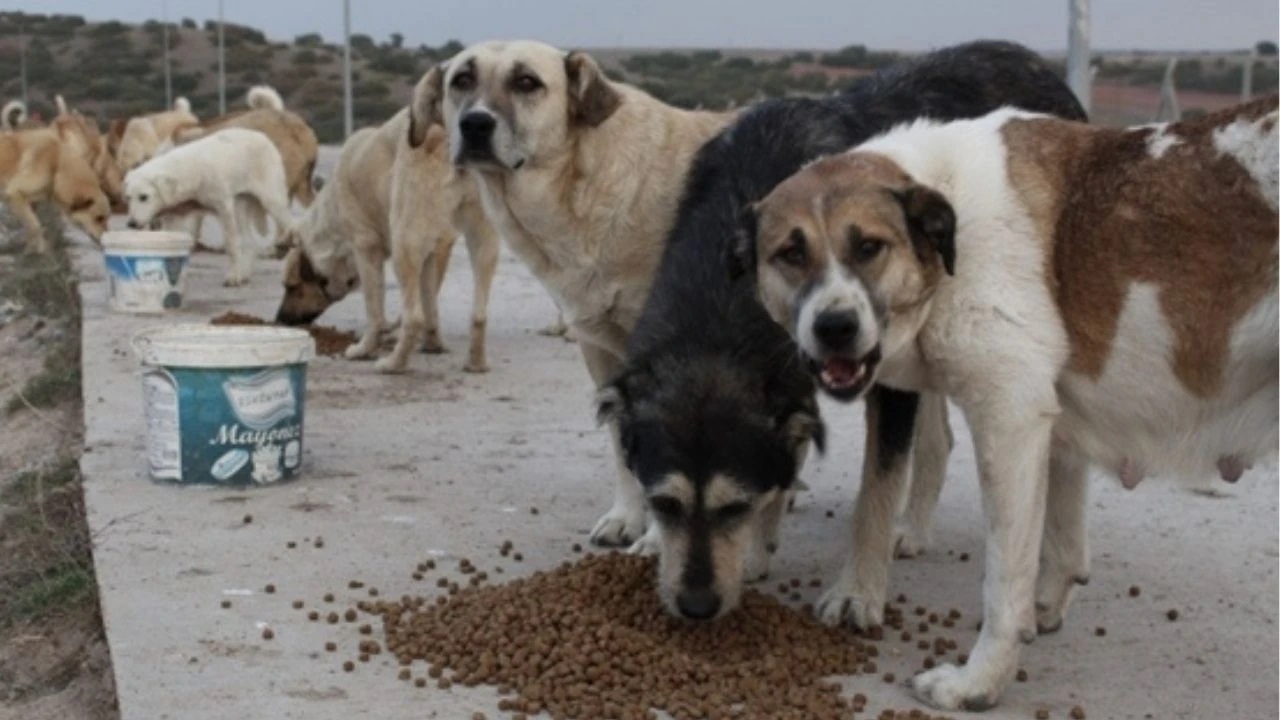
526,84
795,253
463,81
867,249
667,508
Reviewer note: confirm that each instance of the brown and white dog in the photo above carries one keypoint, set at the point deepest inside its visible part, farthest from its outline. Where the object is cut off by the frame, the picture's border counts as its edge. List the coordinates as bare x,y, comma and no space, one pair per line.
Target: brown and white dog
1086,295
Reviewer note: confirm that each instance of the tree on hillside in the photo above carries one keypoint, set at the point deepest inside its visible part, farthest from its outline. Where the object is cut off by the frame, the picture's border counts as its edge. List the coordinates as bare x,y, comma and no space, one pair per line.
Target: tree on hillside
1266,47
397,40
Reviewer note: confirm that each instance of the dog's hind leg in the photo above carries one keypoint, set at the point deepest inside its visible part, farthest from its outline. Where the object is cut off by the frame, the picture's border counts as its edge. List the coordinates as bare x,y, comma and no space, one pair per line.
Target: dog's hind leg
933,444
277,206
370,265
1064,552
625,521
482,251
239,262
411,261
437,267
858,594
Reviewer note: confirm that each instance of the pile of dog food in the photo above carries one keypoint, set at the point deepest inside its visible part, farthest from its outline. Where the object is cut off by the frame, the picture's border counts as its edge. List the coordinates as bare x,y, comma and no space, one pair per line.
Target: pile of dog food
591,640
330,341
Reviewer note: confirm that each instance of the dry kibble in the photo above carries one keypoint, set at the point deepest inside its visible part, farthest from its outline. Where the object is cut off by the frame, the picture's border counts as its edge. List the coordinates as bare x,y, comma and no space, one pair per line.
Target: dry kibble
964,557
577,547
348,666
355,585
366,629
248,519
831,513
267,633
420,682
1021,676
480,715
291,544
889,678
297,604
331,647
1134,591
373,592
333,618
533,511
1100,631
404,674
1077,713
328,597
1172,615
1042,714
364,657
269,589
350,615
548,643
319,542
517,557
226,604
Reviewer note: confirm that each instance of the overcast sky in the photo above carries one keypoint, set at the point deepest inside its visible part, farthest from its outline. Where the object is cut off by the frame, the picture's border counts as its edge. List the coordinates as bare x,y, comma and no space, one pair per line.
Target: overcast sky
896,24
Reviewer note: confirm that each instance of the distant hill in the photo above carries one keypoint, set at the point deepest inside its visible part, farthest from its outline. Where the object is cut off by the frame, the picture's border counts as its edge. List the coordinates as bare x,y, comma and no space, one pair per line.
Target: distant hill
112,69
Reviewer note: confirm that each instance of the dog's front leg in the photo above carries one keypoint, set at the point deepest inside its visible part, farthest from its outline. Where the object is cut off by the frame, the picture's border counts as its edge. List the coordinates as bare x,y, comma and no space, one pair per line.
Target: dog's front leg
411,261
858,595
764,540
1011,432
624,523
933,443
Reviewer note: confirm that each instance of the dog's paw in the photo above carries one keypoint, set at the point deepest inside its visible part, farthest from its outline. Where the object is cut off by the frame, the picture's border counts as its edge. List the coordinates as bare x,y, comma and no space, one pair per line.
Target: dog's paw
846,604
648,544
235,280
361,351
618,527
908,541
478,368
391,365
433,345
1054,592
948,687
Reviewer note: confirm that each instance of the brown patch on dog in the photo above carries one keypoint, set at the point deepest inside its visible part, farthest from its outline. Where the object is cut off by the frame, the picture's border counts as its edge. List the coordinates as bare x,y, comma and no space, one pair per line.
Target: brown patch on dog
1191,222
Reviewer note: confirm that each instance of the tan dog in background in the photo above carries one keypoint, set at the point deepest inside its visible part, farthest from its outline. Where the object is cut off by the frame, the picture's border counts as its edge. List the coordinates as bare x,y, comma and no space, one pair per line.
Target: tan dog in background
291,135
47,164
83,136
136,141
387,199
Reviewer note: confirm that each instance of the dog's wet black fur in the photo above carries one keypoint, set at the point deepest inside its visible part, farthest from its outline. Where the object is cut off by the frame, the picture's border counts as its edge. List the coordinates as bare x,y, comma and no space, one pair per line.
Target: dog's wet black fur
707,368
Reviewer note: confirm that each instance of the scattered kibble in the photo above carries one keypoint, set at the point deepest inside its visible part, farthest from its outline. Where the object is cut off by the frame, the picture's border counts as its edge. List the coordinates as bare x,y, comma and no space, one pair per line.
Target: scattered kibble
355,585
577,547
331,647
964,557
1042,714
297,604
291,544
533,511
1100,631
314,615
328,597
404,674
248,519
1077,713
1134,591
1172,615
226,604
348,666
333,618
268,633
269,589
889,677
1021,676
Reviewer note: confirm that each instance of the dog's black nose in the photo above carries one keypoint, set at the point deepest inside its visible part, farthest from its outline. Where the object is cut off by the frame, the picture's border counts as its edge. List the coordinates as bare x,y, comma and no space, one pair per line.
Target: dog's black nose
700,604
133,225
477,126
836,330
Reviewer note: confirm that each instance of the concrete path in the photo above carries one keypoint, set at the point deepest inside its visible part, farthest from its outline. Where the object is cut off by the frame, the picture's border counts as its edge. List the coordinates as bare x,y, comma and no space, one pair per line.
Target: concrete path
438,463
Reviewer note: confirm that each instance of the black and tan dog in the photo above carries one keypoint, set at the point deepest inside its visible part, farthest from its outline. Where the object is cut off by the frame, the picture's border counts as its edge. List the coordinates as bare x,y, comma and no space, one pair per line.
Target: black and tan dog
715,405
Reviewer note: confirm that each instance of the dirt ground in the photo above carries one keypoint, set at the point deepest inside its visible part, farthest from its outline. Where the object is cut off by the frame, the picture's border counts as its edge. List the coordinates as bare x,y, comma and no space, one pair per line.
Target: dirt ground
54,662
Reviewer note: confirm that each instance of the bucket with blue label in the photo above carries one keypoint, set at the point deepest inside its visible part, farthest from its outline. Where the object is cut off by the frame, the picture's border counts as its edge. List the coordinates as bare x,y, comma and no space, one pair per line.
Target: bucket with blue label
145,269
224,404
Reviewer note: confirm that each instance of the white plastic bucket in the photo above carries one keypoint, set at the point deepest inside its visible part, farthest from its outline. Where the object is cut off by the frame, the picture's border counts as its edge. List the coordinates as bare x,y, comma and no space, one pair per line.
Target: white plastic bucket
145,269
224,404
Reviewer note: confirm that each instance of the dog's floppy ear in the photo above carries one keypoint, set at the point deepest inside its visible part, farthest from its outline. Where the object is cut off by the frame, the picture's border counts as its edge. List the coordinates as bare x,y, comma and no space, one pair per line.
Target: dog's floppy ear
741,258
932,223
592,98
424,108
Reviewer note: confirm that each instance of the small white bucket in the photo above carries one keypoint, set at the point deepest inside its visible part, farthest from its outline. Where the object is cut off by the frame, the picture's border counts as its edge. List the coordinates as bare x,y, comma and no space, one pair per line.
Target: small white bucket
145,269
224,403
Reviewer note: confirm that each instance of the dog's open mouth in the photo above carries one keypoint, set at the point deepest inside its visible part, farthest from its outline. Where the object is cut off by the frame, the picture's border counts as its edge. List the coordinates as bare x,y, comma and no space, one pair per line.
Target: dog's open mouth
844,378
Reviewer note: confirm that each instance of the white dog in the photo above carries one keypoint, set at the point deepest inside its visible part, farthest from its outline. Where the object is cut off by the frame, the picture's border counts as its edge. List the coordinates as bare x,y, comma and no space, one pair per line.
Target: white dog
234,173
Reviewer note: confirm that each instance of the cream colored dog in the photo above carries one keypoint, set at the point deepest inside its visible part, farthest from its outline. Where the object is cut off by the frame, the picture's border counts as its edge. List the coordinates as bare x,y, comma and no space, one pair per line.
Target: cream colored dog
582,176
387,199
235,173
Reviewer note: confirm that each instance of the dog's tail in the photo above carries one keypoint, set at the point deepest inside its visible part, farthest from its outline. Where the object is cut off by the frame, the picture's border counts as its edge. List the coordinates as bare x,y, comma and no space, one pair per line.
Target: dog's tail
62,104
182,105
13,115
262,97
